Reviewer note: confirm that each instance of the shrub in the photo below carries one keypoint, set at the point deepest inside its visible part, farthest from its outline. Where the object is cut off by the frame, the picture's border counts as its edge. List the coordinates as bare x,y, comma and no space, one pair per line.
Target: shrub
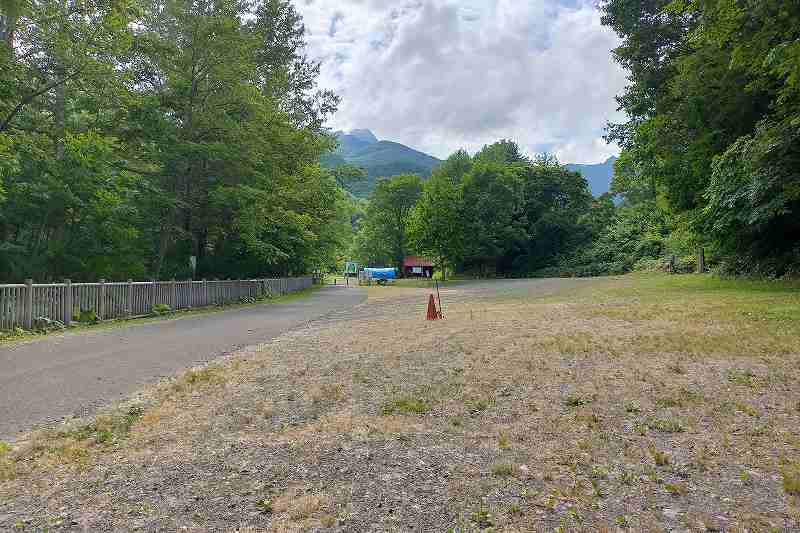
649,264
685,265
161,310
87,316
43,323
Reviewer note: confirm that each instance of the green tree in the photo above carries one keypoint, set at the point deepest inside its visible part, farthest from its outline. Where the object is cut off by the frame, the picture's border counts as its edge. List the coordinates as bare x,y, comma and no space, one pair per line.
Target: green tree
385,232
712,83
490,216
436,228
555,204
133,136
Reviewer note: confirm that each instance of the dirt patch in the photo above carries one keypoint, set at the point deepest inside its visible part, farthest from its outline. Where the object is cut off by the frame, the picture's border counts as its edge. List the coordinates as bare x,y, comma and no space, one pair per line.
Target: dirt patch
536,405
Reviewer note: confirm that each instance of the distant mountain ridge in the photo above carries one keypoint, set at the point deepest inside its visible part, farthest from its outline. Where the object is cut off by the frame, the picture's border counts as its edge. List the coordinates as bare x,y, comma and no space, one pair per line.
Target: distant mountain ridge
361,148
598,175
379,158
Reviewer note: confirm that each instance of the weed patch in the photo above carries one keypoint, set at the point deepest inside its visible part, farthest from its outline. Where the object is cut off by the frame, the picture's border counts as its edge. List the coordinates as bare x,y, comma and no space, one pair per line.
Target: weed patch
477,405
575,399
665,425
790,477
746,378
411,405
503,470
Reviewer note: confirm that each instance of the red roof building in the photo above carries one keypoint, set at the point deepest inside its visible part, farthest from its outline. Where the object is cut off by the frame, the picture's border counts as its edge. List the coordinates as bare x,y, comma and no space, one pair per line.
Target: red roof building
419,267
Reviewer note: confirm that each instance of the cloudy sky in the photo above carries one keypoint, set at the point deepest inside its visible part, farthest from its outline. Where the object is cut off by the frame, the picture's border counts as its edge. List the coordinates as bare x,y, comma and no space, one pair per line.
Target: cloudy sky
439,75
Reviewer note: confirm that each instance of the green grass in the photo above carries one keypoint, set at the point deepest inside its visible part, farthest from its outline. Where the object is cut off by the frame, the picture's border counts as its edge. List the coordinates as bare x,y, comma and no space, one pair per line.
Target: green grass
503,470
407,405
694,315
7,338
790,476
107,428
733,298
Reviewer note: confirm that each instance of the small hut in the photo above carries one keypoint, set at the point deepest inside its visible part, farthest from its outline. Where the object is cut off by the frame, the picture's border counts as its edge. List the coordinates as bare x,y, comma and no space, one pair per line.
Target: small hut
417,267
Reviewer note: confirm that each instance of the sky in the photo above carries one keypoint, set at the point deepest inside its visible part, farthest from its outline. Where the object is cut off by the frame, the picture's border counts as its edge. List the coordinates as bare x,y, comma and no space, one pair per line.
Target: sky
439,75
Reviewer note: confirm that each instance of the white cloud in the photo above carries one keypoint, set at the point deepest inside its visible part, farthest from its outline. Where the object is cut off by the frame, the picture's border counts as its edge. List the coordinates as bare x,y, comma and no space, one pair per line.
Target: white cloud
439,75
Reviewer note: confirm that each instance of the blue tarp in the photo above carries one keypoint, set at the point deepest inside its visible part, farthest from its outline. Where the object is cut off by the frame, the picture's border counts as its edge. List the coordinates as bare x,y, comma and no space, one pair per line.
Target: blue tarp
382,273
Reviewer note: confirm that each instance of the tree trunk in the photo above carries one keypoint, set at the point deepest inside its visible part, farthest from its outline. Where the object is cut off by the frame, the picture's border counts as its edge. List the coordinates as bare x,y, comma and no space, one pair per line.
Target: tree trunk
60,103
60,117
701,260
9,14
163,243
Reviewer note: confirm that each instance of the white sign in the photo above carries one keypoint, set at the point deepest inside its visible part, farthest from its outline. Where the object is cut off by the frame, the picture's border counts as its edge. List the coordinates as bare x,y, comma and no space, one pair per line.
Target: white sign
416,270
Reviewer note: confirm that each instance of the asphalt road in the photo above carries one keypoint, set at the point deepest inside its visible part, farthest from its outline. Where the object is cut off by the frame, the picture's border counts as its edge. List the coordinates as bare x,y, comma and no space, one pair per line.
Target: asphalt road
48,379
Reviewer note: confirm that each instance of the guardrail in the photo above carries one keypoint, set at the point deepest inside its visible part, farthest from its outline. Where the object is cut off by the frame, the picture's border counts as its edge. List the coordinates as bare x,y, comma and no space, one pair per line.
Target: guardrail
30,304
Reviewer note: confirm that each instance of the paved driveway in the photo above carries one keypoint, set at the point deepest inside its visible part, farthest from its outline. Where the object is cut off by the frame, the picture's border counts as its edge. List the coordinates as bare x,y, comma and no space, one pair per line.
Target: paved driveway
48,379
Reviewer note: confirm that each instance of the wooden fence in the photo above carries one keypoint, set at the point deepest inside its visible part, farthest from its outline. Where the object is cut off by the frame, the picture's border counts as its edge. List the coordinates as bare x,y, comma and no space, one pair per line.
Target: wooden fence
29,305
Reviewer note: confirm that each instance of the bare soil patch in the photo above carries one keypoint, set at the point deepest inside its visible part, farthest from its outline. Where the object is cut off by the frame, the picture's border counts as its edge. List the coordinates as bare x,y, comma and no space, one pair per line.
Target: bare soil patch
641,404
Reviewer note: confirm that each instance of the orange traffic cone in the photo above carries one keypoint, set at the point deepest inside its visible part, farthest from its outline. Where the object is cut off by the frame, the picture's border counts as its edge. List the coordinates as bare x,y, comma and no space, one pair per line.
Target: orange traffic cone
433,314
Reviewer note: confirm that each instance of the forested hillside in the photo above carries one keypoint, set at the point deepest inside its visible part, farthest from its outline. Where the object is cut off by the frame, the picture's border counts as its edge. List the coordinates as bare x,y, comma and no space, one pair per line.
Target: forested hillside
136,135
378,159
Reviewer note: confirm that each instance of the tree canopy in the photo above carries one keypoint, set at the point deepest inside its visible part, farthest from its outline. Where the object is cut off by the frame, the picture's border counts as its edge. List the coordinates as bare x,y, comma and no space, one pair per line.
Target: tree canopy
495,213
714,122
136,135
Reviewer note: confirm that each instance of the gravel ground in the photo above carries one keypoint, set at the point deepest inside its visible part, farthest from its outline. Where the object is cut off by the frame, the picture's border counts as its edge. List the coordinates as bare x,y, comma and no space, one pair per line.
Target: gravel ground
534,406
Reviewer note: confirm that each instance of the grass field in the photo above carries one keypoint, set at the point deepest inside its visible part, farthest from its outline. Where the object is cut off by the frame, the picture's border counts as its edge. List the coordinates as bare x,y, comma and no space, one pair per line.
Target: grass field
641,403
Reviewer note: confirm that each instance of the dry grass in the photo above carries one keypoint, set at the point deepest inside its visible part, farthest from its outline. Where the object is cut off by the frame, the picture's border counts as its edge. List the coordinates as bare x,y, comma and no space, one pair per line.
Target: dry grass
636,403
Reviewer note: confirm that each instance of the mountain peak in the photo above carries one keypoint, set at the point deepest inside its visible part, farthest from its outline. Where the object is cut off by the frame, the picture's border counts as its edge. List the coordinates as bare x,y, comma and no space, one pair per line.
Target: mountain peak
360,148
364,135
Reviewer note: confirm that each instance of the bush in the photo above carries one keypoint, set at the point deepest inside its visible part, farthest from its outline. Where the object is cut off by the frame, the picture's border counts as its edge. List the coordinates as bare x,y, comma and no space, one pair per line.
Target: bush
87,317
785,266
569,269
686,265
43,323
649,264
161,310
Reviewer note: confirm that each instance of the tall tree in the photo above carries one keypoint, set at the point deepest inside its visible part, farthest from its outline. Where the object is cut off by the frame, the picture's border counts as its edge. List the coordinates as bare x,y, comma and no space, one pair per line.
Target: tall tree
711,79
132,138
436,228
385,233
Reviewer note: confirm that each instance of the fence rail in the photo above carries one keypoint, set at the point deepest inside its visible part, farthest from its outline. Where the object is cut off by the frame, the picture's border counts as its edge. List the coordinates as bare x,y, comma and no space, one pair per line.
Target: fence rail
28,305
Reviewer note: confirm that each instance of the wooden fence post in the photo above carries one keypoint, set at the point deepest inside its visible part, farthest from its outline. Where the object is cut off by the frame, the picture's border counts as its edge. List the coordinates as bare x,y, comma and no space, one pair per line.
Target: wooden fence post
101,311
701,260
68,302
28,304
